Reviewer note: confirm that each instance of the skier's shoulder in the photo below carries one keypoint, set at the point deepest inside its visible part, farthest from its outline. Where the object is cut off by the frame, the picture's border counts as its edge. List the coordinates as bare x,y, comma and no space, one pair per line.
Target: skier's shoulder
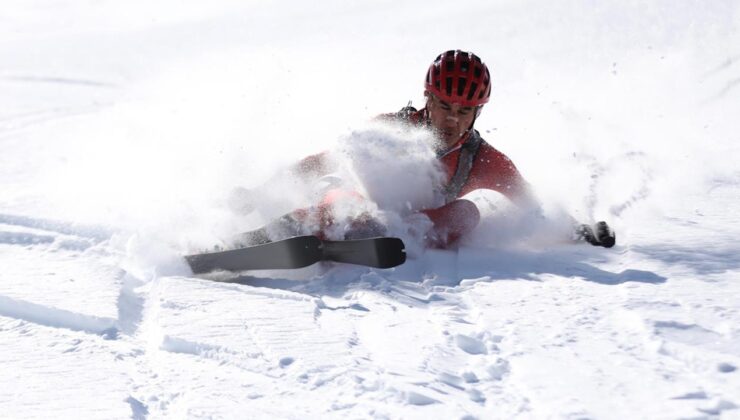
407,114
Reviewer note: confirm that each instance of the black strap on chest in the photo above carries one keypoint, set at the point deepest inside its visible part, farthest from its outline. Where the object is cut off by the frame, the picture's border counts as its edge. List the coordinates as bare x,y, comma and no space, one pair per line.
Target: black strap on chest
465,161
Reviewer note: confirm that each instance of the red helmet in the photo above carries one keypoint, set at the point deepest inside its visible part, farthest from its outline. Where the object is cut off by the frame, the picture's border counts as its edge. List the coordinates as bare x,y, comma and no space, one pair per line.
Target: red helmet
459,77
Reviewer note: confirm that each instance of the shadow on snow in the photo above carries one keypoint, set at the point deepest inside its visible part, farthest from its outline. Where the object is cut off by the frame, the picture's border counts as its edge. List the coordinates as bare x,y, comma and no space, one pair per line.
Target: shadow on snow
415,280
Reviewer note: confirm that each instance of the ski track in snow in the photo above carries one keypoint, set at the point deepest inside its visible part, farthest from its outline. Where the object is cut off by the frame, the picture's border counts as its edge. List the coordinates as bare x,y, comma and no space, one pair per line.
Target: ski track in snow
648,329
365,343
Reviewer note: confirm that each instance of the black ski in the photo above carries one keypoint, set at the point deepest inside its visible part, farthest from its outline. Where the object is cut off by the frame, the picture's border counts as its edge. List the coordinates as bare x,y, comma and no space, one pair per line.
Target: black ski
302,251
374,252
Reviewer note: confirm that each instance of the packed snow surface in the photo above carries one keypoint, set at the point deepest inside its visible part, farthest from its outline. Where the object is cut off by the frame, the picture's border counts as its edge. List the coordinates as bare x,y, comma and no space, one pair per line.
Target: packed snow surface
125,125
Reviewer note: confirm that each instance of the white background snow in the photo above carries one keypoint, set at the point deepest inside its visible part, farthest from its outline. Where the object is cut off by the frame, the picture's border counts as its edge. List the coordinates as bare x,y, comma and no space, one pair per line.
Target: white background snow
123,125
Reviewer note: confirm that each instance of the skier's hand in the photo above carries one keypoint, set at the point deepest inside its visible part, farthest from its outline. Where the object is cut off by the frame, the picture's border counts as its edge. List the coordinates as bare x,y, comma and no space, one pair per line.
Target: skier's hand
599,234
241,200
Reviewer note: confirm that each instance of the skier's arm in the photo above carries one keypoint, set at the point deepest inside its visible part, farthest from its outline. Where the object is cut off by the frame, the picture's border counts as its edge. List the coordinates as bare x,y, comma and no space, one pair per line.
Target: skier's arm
598,234
498,173
494,171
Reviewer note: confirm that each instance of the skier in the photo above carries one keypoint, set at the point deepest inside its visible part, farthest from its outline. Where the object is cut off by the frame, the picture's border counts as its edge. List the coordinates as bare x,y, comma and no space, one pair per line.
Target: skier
457,86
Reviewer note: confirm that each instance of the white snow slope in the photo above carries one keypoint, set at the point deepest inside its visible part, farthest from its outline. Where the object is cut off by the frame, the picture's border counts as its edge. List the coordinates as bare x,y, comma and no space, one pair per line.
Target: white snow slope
124,124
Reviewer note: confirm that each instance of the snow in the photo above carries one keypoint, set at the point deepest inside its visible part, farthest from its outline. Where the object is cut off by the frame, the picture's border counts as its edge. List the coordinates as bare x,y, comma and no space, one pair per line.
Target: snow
123,126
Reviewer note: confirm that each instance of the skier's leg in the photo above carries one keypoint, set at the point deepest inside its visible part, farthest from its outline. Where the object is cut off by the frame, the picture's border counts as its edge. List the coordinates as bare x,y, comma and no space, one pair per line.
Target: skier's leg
315,221
286,226
360,227
451,222
331,198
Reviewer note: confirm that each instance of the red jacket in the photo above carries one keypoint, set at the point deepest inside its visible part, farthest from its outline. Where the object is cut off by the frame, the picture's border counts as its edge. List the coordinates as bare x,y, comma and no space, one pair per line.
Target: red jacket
491,169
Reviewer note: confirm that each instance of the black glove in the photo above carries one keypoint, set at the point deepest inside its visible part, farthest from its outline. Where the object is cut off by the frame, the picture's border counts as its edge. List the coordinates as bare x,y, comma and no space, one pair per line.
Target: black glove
598,235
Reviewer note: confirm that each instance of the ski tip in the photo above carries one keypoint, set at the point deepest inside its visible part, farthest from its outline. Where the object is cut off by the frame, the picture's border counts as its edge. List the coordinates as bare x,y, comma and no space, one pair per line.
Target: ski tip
392,253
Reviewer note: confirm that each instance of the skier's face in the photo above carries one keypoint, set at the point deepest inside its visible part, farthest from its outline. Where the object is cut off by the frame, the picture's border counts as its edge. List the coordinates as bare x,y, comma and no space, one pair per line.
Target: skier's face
449,121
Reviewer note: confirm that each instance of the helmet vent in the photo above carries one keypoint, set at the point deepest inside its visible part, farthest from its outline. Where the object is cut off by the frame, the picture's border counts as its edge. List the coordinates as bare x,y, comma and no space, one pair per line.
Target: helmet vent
473,87
460,86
